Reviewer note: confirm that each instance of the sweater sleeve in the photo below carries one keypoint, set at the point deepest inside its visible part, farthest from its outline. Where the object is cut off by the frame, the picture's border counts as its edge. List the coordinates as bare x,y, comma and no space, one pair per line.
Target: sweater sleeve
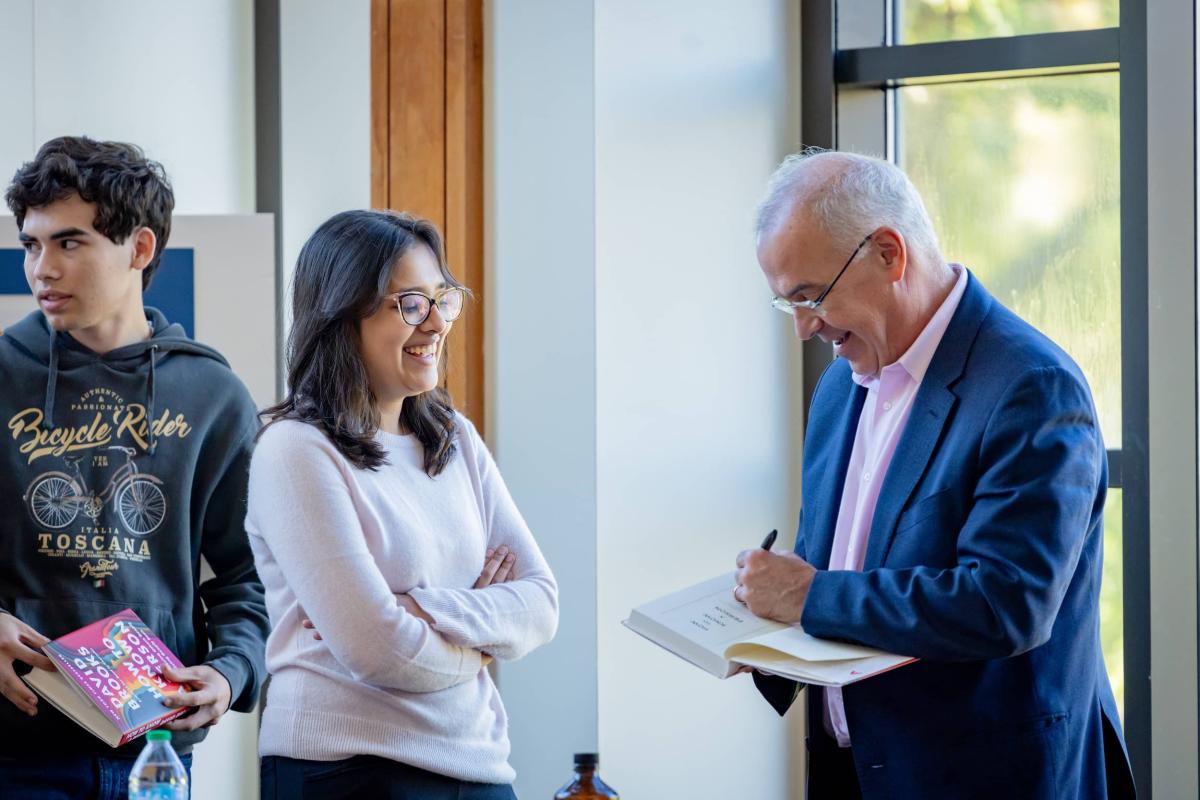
506,620
235,610
302,507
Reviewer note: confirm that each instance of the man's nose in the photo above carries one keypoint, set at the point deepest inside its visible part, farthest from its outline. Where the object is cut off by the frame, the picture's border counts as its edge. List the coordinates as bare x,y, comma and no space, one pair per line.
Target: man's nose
44,265
807,324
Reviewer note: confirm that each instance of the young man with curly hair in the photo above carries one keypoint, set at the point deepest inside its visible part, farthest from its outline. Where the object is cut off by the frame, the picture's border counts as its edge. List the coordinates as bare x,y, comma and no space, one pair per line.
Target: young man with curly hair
124,463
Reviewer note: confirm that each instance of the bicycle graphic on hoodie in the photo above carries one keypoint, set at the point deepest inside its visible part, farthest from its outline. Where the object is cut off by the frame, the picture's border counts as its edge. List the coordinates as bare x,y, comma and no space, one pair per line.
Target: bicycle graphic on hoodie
56,498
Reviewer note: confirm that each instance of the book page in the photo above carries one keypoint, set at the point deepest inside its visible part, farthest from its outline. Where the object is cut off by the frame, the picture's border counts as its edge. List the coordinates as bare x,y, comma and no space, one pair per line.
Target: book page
707,615
67,698
792,653
823,673
793,641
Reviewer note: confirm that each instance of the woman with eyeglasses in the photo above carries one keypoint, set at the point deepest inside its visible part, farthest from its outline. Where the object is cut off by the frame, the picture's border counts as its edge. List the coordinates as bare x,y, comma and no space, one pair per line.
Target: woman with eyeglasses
395,563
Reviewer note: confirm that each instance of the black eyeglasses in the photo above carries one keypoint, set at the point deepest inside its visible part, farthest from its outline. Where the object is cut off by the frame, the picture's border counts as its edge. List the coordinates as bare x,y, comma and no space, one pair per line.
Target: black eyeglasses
415,307
790,306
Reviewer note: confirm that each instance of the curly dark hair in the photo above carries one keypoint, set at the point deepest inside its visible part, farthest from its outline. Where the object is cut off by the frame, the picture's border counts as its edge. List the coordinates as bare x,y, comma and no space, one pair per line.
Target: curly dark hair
129,190
341,277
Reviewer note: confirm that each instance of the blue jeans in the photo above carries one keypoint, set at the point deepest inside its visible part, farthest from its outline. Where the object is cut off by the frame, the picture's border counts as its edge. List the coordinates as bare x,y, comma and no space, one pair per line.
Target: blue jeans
367,776
66,777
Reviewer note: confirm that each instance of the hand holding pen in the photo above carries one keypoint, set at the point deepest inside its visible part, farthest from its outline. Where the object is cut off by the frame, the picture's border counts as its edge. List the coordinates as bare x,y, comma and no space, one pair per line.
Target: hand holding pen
767,543
772,585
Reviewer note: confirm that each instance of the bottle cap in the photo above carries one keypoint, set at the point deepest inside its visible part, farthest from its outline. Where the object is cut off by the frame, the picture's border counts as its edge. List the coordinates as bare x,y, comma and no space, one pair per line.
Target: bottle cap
587,759
158,736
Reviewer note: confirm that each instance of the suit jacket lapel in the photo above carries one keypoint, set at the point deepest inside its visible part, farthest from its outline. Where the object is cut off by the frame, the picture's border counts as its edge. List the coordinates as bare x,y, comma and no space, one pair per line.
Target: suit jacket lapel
930,412
829,474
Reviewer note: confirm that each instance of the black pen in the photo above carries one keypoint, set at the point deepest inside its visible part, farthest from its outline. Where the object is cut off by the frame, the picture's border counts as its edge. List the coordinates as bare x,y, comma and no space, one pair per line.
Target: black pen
770,540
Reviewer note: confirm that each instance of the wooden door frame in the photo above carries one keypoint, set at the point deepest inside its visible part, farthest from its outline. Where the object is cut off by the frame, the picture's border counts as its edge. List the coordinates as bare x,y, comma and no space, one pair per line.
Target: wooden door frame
427,151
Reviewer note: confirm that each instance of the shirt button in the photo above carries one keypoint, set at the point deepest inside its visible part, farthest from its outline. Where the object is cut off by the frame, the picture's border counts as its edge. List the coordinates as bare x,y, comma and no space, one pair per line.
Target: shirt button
866,476
887,406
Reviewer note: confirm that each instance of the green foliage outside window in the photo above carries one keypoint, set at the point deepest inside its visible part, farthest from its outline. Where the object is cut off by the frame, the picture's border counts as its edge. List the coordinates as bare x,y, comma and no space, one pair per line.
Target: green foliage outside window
942,20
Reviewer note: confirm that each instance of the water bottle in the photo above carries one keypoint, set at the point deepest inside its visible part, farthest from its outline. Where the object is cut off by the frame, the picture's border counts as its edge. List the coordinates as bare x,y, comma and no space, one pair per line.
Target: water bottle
585,784
158,774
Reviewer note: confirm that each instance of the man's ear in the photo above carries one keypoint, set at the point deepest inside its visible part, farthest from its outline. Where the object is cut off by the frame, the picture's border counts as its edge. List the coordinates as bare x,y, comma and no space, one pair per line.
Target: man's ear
144,242
892,251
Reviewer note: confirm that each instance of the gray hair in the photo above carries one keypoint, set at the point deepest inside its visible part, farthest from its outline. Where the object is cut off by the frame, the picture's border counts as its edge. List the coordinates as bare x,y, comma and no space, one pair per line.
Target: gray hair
849,195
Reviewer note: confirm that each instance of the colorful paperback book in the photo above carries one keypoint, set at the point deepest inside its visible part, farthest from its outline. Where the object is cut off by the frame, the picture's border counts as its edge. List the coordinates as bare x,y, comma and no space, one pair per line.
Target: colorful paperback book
109,678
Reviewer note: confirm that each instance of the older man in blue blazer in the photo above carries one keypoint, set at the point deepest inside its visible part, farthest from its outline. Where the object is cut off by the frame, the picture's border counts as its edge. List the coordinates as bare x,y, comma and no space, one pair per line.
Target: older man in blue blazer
953,490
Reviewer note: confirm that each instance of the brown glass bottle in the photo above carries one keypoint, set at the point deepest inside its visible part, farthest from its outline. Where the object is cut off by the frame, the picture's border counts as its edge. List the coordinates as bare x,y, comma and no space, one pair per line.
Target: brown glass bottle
586,784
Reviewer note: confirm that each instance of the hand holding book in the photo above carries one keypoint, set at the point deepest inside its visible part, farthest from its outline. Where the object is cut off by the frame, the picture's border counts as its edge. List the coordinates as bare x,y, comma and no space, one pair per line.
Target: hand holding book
20,642
109,678
704,625
205,689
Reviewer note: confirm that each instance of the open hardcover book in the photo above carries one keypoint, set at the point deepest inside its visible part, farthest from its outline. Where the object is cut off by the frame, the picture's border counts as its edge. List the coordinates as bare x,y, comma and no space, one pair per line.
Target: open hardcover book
703,624
109,678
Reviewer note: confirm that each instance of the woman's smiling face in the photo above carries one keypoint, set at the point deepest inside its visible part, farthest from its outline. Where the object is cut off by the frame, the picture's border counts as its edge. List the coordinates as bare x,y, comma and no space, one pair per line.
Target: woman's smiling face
402,359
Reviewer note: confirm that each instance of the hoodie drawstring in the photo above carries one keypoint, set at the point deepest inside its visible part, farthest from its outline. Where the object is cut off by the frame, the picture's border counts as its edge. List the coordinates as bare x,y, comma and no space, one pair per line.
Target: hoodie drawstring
153,353
51,381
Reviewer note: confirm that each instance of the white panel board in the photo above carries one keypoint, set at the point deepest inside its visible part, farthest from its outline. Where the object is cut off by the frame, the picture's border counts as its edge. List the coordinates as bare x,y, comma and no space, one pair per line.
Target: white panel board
235,292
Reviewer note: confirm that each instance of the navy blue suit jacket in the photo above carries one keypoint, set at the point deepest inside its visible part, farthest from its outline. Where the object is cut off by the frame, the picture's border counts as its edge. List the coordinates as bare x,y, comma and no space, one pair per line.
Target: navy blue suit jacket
984,561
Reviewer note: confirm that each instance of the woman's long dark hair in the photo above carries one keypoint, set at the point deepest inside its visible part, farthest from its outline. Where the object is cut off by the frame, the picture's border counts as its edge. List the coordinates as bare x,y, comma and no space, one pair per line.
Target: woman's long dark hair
341,277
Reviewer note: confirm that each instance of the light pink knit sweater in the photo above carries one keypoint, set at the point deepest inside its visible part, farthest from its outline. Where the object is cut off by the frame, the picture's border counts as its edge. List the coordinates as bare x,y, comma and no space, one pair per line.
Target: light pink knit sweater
337,544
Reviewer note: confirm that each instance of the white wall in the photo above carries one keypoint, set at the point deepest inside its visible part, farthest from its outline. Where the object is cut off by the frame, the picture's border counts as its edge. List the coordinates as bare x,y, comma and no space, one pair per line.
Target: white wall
693,409
325,72
645,419
177,78
16,90
173,77
542,364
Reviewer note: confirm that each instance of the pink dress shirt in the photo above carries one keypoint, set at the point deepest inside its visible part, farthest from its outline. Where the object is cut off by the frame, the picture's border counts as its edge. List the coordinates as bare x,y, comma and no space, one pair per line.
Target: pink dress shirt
889,401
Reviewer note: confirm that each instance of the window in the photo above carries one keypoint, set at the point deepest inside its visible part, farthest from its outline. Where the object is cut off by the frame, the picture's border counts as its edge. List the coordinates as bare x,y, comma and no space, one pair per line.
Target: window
1021,179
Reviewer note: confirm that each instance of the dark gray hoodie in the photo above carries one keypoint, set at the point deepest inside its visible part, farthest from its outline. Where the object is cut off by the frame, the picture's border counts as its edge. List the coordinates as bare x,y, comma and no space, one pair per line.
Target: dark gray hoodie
117,473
